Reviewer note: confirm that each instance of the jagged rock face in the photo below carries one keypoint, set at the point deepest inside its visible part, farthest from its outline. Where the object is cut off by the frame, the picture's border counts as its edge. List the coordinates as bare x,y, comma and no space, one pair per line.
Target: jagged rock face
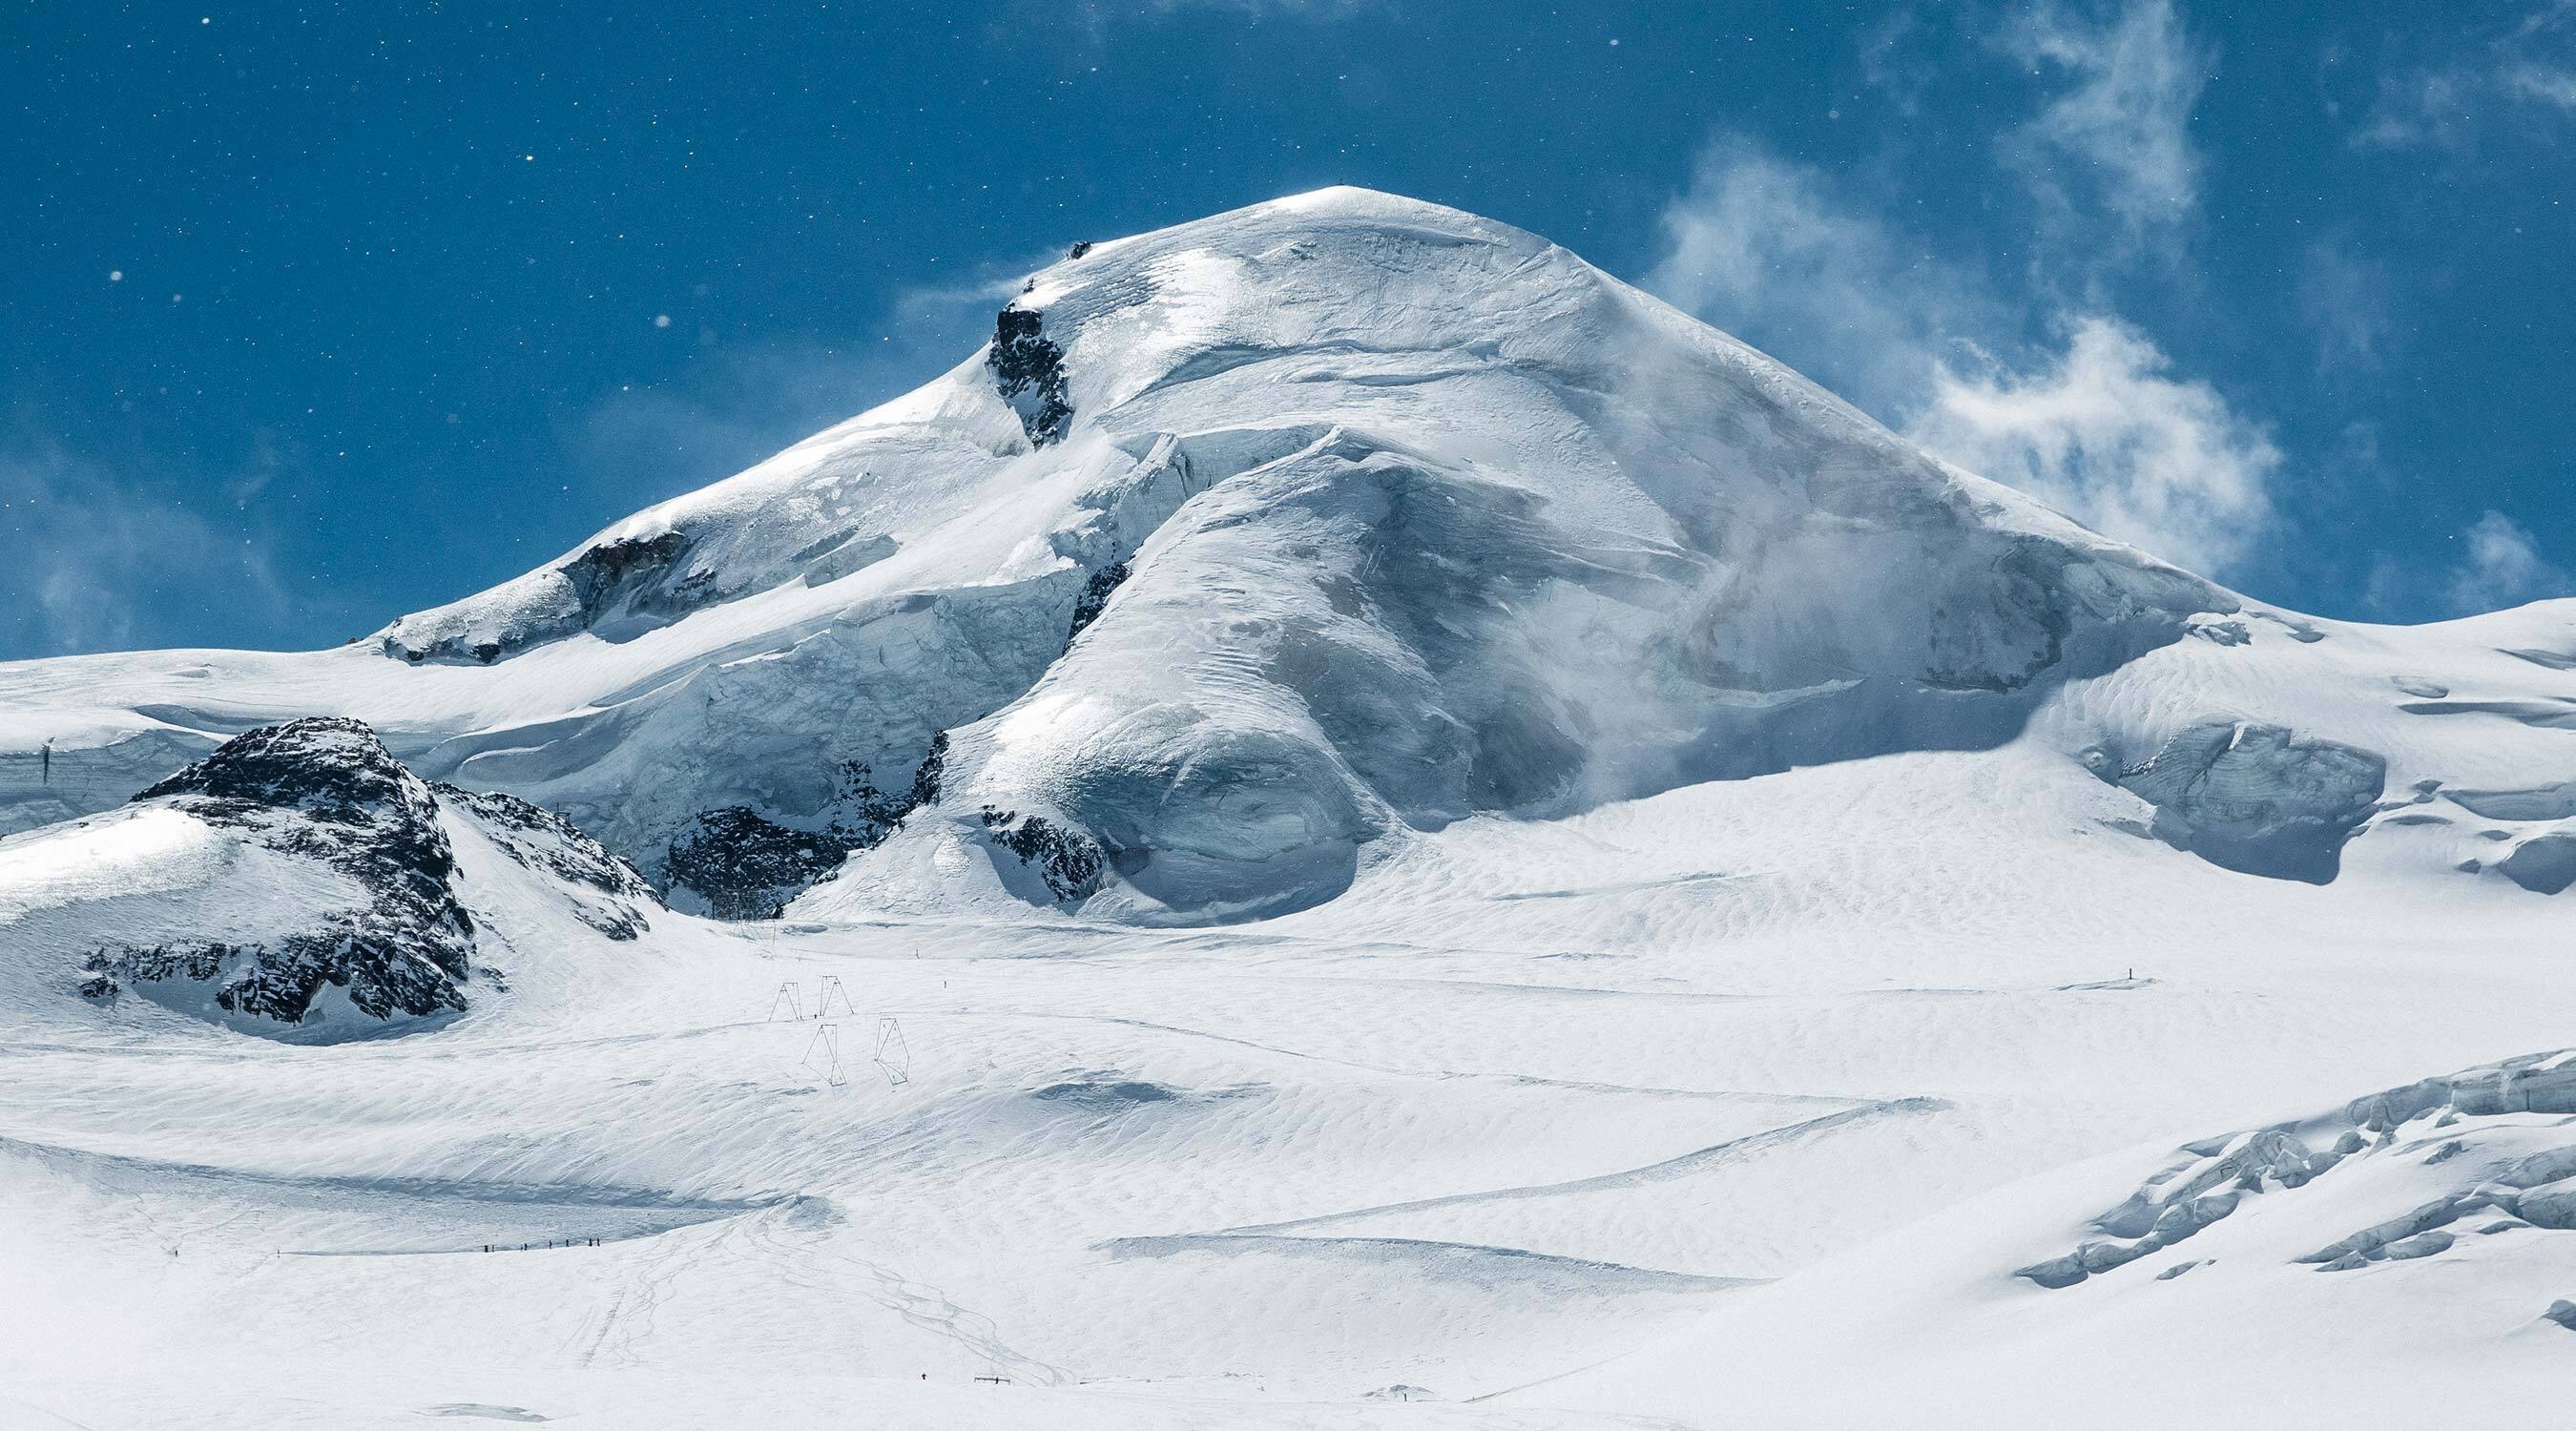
329,767
1069,863
1028,371
633,577
322,789
1095,597
740,866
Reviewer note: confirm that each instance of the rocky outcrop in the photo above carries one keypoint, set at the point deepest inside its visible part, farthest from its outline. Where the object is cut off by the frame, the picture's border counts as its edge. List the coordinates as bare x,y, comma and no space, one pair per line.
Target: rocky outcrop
626,576
322,789
1095,597
741,864
1028,371
1069,861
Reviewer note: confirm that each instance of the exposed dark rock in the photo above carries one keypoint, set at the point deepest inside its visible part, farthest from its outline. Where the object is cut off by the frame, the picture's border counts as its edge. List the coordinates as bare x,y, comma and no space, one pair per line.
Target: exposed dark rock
748,867
1095,597
610,570
1028,371
543,840
330,767
745,865
628,575
324,789
1068,860
926,776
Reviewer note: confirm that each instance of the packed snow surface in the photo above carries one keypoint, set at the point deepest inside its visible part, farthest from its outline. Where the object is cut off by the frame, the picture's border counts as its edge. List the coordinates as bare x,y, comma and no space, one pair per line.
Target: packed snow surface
1374,829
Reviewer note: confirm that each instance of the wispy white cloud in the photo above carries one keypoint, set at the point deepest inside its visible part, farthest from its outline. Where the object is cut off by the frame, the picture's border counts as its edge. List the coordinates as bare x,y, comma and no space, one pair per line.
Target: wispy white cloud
2105,432
2500,565
2091,419
1889,62
2113,150
741,403
1777,252
2344,297
99,562
2494,74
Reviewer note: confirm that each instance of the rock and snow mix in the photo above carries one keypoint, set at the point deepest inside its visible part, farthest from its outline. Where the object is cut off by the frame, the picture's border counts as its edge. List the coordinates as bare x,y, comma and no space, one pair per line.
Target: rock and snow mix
1374,816
321,896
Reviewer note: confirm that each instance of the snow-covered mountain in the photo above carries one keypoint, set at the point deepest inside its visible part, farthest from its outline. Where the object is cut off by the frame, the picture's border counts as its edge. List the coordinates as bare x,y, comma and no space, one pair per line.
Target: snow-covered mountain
1247,548
1368,808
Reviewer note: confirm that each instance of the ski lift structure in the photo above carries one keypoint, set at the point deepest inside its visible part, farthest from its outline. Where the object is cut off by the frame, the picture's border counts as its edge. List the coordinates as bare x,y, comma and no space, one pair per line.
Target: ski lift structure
827,1044
894,1057
892,1053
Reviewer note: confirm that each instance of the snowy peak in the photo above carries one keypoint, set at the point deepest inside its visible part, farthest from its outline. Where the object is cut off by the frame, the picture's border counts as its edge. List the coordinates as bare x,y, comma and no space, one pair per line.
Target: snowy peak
1375,514
1251,549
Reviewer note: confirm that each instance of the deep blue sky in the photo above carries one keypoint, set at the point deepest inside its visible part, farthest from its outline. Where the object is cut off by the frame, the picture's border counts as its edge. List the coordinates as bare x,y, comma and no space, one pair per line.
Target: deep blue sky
317,314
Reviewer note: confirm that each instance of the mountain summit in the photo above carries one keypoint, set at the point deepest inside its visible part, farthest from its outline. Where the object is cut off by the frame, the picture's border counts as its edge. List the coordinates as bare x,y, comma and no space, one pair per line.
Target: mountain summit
1247,548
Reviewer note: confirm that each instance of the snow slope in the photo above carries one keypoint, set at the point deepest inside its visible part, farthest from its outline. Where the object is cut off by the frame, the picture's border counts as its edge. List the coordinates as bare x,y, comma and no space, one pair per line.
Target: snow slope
1418,828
